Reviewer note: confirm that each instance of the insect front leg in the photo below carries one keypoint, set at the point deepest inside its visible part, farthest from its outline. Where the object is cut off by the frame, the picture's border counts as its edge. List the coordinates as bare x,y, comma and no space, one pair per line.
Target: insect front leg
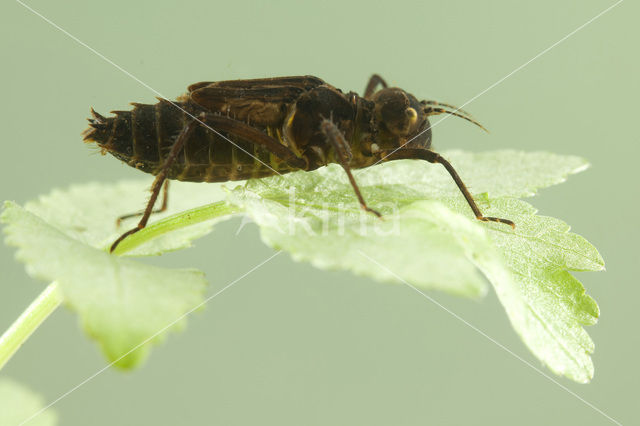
374,81
335,137
434,157
159,180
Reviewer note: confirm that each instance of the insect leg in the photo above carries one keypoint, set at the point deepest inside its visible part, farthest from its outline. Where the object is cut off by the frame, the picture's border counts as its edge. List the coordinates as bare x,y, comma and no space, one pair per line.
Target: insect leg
336,139
159,180
246,132
163,207
434,157
373,84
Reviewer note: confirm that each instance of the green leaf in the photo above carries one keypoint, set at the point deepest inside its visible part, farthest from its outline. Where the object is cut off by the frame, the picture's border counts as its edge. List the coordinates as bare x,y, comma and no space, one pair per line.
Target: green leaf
121,303
546,305
88,212
18,403
316,220
429,238
500,173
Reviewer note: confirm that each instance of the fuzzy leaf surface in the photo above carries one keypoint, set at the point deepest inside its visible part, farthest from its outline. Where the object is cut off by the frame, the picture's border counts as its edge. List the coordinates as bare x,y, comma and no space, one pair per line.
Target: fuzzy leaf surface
123,304
88,212
427,238
18,403
430,239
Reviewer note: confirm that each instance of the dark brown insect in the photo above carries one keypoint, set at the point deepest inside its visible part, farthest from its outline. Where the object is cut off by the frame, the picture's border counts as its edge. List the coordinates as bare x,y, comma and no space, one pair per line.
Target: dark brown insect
243,129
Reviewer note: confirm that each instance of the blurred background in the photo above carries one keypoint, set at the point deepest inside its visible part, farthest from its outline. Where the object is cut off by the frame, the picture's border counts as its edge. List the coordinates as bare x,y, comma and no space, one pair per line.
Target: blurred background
290,344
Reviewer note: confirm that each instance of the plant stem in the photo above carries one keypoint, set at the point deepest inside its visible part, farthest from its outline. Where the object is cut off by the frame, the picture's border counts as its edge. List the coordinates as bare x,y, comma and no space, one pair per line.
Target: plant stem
51,297
29,321
177,221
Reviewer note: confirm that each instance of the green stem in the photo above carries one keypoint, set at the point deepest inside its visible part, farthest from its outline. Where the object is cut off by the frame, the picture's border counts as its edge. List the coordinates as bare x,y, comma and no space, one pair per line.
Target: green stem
177,221
29,321
51,297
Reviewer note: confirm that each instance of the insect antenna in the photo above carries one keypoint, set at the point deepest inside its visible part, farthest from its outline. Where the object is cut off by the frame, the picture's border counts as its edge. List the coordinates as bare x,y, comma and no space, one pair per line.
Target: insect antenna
442,104
429,110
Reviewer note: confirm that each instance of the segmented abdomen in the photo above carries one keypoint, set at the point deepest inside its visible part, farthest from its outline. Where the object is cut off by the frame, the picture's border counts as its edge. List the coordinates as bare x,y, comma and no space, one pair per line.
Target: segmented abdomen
143,138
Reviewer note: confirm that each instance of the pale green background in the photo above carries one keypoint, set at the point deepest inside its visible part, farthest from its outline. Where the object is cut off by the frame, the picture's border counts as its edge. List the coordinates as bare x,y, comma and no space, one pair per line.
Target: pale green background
289,344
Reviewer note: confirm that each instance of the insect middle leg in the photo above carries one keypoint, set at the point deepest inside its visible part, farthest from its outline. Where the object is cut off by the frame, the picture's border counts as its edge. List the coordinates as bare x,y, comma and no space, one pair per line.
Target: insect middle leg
335,137
434,157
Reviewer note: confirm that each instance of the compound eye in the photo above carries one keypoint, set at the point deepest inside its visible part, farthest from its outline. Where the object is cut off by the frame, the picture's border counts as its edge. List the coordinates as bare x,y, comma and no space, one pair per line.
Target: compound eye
412,116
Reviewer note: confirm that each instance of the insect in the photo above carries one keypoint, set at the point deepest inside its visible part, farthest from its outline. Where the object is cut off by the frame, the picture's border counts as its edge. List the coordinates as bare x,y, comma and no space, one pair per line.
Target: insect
243,129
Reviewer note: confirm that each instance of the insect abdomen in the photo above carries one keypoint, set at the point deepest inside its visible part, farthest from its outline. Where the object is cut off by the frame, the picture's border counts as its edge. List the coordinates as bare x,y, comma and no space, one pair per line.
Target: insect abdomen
135,137
143,138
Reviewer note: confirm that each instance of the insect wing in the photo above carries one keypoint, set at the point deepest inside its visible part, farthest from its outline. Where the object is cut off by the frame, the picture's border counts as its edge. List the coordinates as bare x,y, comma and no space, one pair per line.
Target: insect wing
305,82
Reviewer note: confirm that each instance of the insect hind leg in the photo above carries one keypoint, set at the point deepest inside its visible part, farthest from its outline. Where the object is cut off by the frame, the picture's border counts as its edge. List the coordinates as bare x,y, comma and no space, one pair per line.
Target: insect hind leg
162,208
158,182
